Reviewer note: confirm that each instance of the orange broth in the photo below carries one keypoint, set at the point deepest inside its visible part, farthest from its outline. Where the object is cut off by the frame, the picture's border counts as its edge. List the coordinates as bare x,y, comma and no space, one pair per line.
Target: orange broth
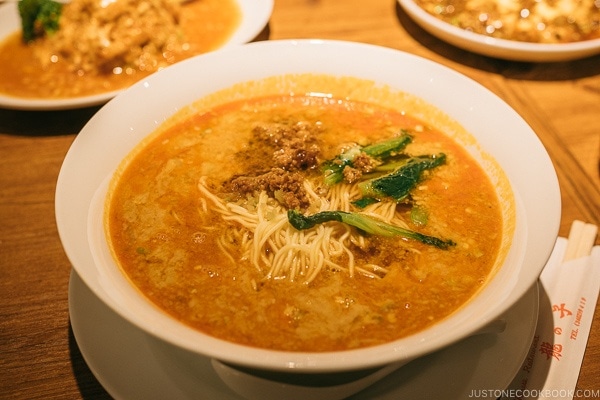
169,248
206,24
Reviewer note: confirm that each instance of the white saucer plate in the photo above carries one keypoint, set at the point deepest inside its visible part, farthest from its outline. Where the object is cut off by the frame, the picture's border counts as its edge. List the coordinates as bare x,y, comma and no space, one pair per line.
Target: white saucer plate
131,364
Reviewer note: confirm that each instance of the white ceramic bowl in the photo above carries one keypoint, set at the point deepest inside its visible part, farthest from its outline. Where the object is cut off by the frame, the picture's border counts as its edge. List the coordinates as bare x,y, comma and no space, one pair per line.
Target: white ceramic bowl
120,125
499,48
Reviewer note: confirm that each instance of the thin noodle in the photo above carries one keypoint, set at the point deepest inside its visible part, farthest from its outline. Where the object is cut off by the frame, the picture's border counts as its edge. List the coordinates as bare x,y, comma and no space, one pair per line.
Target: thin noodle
225,251
277,250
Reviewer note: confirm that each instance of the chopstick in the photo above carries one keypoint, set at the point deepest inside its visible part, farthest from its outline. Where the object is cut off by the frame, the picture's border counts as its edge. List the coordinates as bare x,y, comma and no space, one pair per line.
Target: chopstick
581,240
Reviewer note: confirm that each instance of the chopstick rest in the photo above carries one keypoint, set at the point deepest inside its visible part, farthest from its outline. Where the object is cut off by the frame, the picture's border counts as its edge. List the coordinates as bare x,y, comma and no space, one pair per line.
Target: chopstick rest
569,287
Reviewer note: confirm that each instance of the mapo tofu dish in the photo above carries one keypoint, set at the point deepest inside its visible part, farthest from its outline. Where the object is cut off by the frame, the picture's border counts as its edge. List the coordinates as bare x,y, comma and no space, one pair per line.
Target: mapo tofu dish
536,21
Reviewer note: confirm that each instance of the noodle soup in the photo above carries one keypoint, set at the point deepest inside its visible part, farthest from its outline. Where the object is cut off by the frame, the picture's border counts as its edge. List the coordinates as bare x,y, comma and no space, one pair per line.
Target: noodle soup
199,218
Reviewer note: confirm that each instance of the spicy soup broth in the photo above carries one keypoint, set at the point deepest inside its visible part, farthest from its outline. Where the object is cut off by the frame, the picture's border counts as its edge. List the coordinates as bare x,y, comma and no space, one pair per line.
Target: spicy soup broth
172,230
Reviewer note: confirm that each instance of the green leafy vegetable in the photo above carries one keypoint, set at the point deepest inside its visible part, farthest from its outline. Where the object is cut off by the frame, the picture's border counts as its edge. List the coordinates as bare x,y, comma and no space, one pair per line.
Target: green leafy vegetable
39,17
395,175
387,148
365,201
333,169
419,216
399,183
391,176
364,223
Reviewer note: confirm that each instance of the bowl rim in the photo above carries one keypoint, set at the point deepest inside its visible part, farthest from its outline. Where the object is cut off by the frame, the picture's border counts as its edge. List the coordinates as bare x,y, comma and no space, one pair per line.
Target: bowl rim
306,55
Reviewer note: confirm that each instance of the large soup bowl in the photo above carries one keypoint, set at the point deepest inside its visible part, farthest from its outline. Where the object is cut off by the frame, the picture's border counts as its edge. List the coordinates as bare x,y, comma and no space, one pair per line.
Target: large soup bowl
501,138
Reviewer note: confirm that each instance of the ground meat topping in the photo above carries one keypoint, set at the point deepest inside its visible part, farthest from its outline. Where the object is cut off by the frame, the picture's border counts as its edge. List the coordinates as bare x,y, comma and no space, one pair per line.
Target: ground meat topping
286,187
294,149
295,146
361,164
99,36
351,175
364,163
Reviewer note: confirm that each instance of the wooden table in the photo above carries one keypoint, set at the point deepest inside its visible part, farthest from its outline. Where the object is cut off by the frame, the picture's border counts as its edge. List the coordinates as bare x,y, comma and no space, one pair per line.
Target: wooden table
39,358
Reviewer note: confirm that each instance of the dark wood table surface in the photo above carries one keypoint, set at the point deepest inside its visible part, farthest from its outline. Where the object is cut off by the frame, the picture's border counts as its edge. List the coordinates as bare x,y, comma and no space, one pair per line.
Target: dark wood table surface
39,358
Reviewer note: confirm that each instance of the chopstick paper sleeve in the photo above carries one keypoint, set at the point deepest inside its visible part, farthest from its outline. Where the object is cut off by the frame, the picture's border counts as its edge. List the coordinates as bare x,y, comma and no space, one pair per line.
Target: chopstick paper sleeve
568,295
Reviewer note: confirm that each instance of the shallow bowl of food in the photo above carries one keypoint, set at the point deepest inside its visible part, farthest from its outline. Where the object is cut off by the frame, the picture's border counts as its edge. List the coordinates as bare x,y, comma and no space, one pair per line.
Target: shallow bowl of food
100,49
207,197
542,32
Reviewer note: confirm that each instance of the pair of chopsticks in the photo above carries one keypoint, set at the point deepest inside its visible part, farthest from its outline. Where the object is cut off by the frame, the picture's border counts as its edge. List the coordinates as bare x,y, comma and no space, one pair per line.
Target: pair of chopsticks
581,240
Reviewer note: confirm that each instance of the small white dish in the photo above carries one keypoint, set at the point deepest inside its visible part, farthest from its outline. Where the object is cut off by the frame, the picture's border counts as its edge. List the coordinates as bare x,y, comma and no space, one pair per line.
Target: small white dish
498,48
131,364
255,16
